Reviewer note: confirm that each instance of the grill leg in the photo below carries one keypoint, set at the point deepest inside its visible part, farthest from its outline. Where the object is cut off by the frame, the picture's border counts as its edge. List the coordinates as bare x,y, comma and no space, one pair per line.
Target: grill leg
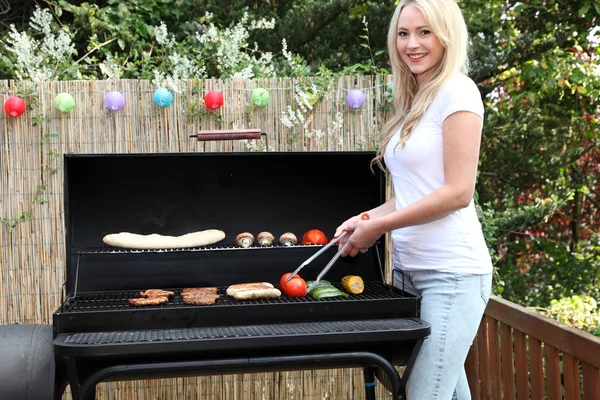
369,375
409,365
74,383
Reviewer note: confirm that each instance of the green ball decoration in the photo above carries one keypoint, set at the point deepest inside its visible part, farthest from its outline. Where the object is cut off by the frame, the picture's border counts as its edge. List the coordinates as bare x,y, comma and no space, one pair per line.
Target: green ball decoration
64,102
260,97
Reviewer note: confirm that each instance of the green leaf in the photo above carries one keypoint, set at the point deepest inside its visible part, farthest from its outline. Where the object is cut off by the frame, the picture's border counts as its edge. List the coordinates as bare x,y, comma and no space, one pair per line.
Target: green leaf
584,9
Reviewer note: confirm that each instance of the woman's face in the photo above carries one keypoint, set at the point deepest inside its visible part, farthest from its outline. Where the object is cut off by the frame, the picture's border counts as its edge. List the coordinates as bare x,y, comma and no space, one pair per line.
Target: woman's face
420,49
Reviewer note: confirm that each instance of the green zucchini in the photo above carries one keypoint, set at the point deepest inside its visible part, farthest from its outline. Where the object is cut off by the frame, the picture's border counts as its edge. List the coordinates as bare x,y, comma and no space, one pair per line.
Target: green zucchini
320,284
326,295
327,291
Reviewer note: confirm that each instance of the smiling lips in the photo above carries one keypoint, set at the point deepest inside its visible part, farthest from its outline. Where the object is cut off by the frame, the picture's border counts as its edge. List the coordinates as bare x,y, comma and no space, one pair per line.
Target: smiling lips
416,57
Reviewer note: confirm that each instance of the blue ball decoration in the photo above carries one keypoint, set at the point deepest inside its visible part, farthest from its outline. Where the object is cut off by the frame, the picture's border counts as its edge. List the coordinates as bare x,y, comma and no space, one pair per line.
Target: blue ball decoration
163,97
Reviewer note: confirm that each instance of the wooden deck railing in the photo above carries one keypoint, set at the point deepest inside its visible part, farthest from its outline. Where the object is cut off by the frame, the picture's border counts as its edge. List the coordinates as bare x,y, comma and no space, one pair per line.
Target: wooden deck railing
519,354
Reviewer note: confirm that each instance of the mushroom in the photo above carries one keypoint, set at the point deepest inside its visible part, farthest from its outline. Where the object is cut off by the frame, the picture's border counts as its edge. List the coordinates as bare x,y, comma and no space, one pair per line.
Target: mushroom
244,239
288,239
265,238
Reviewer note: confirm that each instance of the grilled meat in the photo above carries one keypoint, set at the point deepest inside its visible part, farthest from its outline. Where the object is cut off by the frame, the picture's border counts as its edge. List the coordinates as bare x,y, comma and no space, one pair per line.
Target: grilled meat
149,301
206,289
156,293
199,296
254,290
255,294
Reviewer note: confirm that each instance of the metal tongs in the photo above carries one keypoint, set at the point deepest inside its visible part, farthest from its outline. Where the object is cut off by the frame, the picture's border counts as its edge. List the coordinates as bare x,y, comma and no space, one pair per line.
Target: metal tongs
363,216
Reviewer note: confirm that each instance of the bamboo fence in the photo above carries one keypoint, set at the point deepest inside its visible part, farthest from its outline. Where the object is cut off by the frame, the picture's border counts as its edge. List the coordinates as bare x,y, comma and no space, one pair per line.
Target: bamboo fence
32,255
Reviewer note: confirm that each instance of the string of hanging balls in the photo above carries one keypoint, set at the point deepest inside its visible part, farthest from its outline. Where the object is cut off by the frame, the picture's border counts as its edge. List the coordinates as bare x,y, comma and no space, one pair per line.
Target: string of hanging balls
115,100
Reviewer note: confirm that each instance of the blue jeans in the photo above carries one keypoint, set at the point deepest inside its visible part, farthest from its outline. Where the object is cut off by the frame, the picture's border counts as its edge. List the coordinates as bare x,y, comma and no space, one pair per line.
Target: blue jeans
453,303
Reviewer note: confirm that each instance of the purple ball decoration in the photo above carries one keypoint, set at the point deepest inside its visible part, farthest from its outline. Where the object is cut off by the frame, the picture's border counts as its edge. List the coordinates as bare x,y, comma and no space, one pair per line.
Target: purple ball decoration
355,98
114,100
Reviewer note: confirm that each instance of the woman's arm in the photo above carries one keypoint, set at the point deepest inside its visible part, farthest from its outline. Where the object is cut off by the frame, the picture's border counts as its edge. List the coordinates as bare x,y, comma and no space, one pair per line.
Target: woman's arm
384,209
462,139
377,212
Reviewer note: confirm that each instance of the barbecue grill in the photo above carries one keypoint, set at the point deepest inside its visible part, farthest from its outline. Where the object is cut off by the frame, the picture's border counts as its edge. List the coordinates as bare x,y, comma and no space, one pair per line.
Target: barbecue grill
98,336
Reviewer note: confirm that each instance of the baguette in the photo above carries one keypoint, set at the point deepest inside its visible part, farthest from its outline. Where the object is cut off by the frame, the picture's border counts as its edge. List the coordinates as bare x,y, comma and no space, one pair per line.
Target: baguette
155,241
233,289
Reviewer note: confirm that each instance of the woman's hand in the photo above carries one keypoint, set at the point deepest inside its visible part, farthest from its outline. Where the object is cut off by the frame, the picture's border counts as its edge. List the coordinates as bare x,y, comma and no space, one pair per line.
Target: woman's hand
361,239
362,234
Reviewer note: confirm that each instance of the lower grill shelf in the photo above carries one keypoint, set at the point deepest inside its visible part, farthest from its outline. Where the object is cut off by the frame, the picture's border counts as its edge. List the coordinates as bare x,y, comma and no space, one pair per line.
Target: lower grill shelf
254,337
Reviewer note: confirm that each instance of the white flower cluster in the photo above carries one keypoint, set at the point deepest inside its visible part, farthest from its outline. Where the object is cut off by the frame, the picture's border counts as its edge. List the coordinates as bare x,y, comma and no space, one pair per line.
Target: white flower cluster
291,117
162,35
333,133
295,66
231,51
41,60
181,67
109,67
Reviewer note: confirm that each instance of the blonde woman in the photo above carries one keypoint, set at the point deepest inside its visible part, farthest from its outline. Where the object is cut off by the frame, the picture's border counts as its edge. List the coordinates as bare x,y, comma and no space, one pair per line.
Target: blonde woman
431,148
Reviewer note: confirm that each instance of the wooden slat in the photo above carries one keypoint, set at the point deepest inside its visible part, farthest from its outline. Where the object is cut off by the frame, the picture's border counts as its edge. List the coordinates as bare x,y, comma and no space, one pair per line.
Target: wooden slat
508,370
495,368
536,371
553,387
472,370
579,344
521,365
484,360
571,377
591,382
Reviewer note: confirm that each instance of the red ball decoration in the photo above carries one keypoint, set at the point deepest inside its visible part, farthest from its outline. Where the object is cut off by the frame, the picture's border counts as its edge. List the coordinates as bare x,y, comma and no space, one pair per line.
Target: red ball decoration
14,106
213,99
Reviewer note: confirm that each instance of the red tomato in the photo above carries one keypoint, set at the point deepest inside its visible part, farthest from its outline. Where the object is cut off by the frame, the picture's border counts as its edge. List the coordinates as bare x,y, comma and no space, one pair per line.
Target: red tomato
284,277
295,287
314,236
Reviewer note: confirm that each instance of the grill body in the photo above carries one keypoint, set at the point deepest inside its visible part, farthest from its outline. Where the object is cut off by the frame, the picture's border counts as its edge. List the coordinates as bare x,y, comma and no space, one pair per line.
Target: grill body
99,336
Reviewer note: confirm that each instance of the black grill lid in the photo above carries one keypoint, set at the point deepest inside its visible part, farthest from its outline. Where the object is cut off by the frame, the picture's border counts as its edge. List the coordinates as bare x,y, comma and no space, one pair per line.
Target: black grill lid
173,194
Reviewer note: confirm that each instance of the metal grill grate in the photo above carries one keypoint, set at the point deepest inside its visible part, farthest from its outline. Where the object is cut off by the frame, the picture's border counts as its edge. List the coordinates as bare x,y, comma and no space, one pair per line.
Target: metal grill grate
111,301
269,330
215,247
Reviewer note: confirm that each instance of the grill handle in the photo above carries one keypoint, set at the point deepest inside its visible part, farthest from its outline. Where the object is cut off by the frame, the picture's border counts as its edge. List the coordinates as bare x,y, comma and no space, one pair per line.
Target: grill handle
231,134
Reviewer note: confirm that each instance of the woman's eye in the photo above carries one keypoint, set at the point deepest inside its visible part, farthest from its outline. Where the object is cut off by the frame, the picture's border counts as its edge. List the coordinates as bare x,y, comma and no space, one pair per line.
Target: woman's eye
425,32
402,34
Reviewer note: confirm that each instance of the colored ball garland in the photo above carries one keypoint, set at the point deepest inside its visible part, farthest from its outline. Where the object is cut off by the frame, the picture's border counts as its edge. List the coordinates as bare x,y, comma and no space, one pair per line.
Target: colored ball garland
115,100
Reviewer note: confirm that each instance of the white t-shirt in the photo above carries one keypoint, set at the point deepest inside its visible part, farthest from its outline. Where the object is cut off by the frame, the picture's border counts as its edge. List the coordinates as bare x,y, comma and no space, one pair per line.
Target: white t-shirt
454,243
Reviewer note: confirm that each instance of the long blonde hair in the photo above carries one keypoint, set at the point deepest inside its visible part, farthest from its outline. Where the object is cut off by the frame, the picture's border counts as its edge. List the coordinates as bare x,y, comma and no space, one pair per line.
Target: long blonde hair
445,20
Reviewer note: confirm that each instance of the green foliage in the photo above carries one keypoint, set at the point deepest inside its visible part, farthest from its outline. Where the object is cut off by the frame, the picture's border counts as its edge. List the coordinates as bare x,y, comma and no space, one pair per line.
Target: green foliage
578,311
11,222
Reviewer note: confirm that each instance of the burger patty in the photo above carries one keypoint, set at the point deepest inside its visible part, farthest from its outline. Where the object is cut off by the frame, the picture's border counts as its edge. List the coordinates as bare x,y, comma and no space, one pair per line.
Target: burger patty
199,296
156,293
205,289
149,301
